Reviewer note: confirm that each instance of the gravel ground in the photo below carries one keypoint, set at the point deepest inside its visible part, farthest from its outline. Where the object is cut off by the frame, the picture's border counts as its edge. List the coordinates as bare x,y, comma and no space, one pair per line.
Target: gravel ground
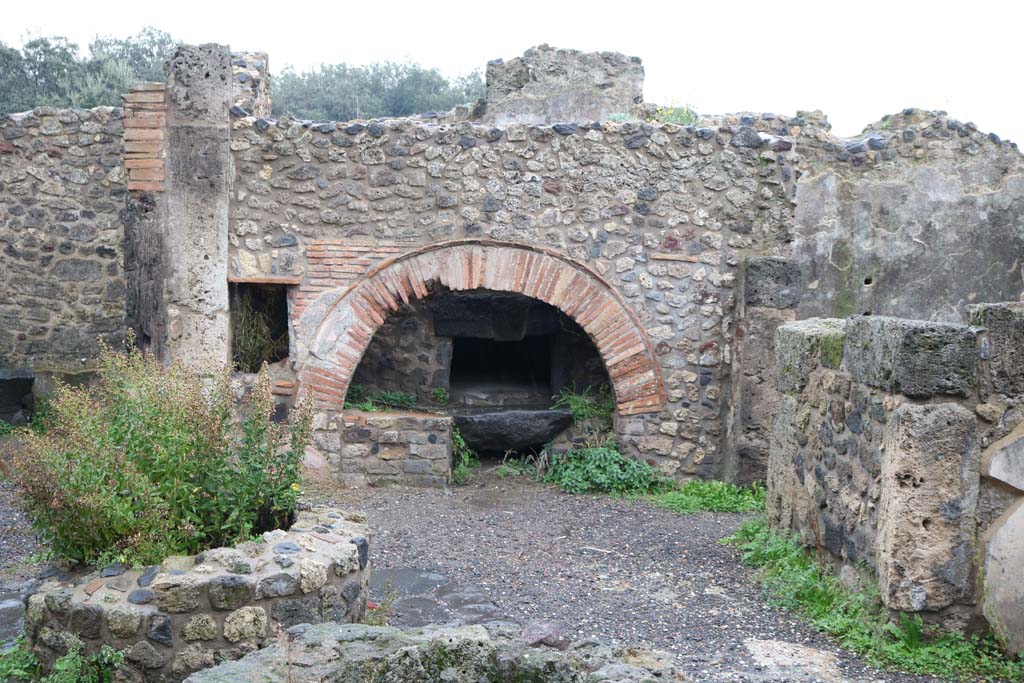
19,548
19,564
617,570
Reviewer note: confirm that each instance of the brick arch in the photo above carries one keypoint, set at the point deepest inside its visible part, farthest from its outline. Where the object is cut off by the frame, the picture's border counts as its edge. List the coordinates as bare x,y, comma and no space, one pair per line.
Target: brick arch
336,327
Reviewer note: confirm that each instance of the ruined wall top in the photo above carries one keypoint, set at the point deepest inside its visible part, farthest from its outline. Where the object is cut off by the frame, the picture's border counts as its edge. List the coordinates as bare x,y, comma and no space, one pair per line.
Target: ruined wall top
547,85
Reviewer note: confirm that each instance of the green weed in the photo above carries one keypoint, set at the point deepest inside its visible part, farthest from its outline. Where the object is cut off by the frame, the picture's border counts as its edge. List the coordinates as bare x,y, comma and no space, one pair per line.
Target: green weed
19,663
377,614
856,619
589,403
699,495
464,459
684,115
6,428
441,396
358,398
514,468
602,469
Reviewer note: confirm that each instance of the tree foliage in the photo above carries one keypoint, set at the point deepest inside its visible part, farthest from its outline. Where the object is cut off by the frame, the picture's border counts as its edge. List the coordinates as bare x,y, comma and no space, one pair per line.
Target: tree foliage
52,71
341,92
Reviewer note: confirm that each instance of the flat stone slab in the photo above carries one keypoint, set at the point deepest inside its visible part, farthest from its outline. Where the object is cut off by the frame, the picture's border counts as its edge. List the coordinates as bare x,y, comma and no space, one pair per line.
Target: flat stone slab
466,654
510,429
424,598
912,357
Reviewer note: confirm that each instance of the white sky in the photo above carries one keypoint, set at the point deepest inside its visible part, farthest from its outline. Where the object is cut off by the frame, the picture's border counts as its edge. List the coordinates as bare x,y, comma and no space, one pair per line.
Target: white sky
856,61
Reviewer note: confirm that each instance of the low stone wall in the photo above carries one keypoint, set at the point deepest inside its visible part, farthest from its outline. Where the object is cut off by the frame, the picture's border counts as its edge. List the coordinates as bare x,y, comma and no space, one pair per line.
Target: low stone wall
877,457
467,654
190,613
411,449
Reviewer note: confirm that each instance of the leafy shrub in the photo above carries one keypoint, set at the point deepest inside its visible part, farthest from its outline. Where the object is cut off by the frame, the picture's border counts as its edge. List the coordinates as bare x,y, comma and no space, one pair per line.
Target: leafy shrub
711,496
857,619
6,428
602,469
20,664
151,461
464,459
589,403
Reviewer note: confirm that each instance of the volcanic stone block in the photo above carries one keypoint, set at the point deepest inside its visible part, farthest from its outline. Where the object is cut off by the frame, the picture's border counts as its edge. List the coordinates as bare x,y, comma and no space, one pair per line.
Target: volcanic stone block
230,592
802,346
916,358
772,282
1002,345
926,527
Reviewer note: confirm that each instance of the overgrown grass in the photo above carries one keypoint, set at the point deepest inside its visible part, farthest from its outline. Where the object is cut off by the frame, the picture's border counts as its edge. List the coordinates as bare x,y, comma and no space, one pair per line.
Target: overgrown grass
358,398
20,664
857,619
464,459
588,404
700,495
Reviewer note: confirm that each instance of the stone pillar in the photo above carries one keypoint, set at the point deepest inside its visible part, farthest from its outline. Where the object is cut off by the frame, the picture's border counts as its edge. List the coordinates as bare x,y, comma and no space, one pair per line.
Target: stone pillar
771,288
194,221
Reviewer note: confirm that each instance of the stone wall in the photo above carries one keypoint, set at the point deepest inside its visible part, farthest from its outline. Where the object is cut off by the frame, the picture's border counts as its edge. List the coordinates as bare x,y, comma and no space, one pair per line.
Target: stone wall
877,457
62,222
191,613
662,213
412,449
547,85
919,217
406,355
